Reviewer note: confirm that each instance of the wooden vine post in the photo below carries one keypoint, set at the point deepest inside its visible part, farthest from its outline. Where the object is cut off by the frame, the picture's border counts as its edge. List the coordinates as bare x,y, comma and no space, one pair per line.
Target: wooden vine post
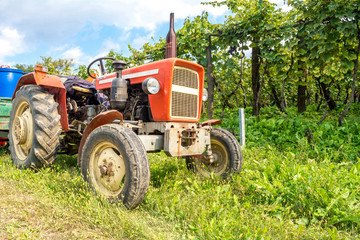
210,80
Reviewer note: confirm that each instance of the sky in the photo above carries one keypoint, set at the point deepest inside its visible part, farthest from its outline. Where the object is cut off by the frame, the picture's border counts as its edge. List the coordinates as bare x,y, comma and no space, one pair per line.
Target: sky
87,29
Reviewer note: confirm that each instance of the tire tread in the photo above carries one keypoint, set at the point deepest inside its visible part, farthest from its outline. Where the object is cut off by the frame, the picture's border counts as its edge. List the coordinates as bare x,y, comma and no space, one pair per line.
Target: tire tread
47,127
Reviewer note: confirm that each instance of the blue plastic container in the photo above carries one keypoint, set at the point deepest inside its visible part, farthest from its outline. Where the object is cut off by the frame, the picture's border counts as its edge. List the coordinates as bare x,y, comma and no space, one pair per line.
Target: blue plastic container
8,81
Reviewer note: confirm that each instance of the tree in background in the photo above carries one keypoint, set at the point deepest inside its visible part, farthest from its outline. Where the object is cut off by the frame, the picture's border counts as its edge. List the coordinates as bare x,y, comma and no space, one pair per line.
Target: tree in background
308,55
254,24
330,39
57,67
81,71
25,68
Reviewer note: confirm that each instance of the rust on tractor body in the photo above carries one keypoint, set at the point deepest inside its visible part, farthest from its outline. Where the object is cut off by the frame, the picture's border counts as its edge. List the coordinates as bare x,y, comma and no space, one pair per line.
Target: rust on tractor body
211,122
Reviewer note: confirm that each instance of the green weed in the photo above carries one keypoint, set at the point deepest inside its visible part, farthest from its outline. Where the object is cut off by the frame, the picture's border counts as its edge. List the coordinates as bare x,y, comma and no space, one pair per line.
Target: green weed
292,186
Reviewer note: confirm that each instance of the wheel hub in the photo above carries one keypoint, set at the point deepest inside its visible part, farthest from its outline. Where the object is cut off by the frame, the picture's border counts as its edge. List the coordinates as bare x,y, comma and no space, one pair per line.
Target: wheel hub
110,168
106,170
103,170
216,160
213,160
22,130
215,163
23,124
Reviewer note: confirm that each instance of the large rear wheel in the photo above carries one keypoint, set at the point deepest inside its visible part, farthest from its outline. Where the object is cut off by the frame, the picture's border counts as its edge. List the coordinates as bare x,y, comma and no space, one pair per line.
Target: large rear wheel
115,164
226,156
34,128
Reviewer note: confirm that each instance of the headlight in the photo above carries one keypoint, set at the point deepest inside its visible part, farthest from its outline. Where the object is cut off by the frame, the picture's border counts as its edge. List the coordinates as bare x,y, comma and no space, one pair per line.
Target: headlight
205,95
151,86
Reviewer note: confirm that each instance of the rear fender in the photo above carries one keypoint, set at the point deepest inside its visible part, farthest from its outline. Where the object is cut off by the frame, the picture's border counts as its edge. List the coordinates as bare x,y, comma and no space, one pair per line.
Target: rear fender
54,85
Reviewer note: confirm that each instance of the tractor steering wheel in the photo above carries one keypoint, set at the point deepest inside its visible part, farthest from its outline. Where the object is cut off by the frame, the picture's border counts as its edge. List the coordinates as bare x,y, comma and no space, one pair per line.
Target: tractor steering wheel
102,68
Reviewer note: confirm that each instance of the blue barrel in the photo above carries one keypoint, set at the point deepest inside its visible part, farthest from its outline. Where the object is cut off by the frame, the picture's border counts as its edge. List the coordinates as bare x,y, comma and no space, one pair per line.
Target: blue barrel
8,81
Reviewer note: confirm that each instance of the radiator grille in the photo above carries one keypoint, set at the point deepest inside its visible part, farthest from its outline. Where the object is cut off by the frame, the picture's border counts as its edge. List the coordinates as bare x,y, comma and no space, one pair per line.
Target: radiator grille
184,105
185,93
185,77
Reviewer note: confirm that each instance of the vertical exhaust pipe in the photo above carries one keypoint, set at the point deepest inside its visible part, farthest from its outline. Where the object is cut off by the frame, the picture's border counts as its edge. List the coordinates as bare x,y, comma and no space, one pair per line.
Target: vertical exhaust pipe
171,40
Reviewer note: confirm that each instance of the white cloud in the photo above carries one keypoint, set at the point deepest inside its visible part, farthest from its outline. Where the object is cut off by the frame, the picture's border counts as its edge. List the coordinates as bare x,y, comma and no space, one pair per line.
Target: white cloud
140,41
106,46
56,20
109,44
48,24
57,49
73,53
11,43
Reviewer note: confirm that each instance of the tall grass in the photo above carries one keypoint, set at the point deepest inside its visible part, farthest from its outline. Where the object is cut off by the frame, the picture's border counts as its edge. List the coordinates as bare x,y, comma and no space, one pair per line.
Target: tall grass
289,188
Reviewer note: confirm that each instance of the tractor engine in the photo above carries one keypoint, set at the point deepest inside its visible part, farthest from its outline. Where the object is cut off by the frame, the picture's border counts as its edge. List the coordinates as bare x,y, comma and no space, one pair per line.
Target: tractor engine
128,99
162,91
137,106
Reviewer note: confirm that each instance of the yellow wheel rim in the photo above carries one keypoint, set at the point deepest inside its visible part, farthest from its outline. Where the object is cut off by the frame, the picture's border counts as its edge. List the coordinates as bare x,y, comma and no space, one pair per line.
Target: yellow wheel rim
22,131
220,160
107,169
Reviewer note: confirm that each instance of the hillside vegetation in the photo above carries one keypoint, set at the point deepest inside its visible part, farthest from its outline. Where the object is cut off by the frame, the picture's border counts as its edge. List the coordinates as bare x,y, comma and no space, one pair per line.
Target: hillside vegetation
291,186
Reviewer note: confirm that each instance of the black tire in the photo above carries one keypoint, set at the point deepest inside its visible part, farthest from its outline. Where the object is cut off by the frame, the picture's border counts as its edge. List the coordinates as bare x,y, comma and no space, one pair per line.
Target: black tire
34,128
107,151
226,152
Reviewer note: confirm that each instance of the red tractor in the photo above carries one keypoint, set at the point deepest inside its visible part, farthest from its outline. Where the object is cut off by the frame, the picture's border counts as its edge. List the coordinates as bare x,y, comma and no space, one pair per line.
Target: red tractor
152,107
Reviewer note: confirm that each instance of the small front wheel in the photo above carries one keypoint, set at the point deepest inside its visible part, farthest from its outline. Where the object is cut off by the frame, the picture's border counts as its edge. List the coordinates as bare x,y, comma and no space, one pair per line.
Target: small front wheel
226,156
115,164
